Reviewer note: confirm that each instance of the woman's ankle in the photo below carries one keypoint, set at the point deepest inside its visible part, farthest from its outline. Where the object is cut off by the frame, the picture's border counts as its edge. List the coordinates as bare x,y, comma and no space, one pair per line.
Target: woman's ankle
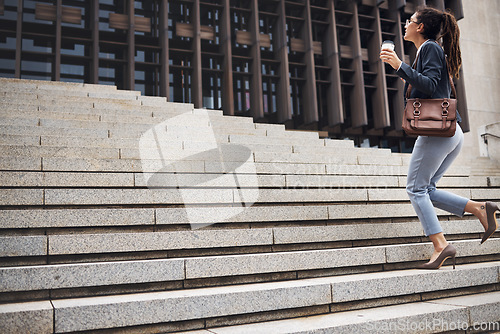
439,248
476,208
438,241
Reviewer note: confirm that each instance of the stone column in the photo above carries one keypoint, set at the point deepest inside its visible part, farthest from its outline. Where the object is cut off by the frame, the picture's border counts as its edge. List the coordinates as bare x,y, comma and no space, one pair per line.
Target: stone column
280,44
309,96
165,72
196,78
227,66
334,98
256,98
131,46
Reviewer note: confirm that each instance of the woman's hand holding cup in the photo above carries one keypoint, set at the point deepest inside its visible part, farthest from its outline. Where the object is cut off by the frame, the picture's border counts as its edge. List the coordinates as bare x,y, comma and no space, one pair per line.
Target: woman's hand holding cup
387,55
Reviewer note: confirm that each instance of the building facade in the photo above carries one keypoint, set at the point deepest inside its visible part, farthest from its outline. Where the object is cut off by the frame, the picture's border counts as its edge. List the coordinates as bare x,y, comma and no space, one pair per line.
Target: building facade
480,49
310,64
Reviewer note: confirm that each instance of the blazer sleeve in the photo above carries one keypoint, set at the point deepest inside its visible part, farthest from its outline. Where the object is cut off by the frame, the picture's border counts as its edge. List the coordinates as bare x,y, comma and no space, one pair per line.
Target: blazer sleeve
427,80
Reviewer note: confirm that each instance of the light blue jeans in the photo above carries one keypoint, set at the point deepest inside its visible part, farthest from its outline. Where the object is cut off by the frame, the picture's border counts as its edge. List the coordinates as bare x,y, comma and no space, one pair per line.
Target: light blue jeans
430,159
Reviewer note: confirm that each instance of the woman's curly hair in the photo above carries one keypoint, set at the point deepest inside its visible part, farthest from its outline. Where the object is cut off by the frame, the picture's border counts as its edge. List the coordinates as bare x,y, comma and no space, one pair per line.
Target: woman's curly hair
435,22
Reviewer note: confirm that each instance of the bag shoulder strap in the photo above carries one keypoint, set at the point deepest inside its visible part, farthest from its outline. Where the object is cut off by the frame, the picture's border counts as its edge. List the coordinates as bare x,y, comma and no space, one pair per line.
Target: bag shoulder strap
453,90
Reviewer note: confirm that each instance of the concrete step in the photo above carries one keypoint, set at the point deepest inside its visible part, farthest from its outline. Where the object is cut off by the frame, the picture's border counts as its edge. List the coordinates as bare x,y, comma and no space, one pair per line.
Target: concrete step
200,146
29,317
324,182
10,85
26,163
18,140
253,263
136,131
62,152
182,118
77,112
55,89
322,158
152,100
94,274
60,98
150,149
16,98
41,218
127,180
124,122
376,170
288,148
275,140
347,143
195,166
268,126
89,114
494,181
19,105
138,196
45,131
23,246
257,136
112,242
68,91
21,163
78,142
168,156
486,172
18,108
90,274
115,110
476,312
484,166
121,95
228,189
56,103
81,104
67,218
365,178
61,94
62,179
472,313
93,313
231,152
335,150
70,124
178,143
50,115
140,116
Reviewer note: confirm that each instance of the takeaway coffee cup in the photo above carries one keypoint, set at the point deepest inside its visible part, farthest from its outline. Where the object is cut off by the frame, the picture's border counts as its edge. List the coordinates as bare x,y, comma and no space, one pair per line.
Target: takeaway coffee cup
388,45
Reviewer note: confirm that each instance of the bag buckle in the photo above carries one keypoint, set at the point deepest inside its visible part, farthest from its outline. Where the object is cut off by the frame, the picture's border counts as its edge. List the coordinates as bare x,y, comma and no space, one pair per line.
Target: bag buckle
416,107
445,104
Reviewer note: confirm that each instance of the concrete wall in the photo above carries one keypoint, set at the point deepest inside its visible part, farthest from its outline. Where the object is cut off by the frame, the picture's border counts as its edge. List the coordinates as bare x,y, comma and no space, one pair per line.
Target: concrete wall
480,45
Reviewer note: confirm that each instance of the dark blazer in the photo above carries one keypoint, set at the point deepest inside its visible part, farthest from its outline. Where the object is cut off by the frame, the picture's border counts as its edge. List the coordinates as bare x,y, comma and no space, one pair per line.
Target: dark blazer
430,79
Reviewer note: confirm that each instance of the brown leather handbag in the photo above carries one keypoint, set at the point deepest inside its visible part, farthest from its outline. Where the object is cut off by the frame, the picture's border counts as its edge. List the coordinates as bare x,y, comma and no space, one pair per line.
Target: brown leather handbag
430,117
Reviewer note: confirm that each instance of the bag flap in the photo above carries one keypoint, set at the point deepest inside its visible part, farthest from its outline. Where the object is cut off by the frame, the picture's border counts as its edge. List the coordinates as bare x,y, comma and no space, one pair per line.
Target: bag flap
431,109
430,125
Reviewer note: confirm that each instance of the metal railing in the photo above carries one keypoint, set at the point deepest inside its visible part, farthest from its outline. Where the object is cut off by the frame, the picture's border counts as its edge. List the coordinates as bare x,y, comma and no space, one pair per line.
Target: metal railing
484,135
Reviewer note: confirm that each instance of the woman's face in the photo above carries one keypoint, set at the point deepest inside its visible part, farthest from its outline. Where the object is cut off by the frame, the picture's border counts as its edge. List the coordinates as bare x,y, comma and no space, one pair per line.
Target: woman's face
411,28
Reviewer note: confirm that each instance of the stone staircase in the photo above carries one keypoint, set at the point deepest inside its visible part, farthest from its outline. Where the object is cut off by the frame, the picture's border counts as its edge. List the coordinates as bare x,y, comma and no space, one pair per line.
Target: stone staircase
130,214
